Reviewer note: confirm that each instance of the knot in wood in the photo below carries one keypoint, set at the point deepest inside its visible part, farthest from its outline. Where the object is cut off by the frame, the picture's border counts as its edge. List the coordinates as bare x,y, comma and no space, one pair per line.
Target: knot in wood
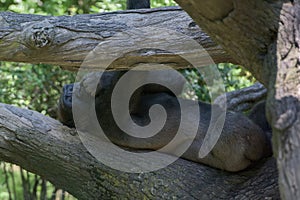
41,38
39,35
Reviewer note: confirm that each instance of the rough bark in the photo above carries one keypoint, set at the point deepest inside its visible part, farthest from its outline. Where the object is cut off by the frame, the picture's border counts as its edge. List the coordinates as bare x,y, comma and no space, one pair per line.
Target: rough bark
284,99
39,143
43,146
264,37
66,40
244,28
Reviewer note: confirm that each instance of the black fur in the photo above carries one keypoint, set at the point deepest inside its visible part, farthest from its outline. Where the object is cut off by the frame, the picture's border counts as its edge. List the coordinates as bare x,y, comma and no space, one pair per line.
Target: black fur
138,4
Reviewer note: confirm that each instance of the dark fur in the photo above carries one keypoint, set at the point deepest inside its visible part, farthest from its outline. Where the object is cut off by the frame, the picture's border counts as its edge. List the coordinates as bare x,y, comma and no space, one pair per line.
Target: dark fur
241,143
138,4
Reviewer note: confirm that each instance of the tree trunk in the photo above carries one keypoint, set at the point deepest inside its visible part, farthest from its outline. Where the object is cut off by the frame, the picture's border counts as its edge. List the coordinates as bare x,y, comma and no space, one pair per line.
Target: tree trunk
264,37
244,28
45,147
284,100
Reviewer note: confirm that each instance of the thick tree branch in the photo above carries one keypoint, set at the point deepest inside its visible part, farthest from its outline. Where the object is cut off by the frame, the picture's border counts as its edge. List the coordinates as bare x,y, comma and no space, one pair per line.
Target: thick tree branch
284,99
246,29
43,146
264,37
66,40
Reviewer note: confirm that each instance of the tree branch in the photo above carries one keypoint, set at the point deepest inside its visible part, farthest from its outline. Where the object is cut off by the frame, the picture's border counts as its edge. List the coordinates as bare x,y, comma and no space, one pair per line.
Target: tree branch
245,29
43,146
66,40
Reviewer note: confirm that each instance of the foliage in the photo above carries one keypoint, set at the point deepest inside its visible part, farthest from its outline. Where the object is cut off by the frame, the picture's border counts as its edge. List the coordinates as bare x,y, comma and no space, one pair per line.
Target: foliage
35,87
70,7
235,77
14,180
161,3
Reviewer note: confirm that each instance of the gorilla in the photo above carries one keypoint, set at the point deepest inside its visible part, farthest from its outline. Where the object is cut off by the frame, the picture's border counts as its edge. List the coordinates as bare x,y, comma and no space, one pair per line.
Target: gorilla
243,141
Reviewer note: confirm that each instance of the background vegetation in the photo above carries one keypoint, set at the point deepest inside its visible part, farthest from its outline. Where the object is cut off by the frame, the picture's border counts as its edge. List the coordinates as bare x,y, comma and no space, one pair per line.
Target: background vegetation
37,87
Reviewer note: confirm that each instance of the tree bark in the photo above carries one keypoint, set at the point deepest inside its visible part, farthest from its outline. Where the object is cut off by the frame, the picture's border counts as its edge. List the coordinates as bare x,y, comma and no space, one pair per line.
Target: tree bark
264,37
246,29
66,40
284,99
44,146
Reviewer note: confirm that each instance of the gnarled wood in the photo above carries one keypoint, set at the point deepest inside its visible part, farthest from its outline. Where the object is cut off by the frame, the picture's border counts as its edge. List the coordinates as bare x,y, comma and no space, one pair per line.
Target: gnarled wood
284,100
66,40
43,146
245,29
264,37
